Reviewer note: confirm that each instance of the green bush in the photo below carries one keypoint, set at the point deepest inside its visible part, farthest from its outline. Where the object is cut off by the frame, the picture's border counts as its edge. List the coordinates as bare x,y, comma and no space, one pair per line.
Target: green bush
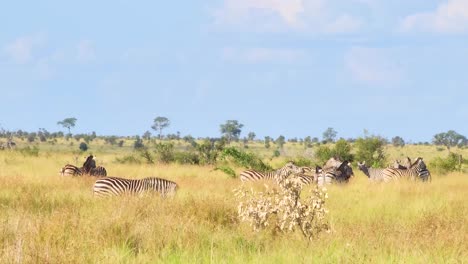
445,165
165,152
341,149
187,158
83,146
244,159
371,150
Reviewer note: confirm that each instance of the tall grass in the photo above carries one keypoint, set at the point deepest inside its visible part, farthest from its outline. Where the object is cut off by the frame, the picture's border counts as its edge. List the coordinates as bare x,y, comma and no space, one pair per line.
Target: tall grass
46,218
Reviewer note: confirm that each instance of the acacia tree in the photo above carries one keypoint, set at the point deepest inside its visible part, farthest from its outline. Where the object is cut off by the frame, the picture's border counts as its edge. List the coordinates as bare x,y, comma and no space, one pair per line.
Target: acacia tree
231,130
68,123
329,135
450,139
160,123
251,136
398,141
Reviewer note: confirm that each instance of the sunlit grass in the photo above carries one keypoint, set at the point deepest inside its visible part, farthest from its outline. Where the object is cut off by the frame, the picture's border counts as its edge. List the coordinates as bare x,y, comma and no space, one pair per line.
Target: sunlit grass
46,218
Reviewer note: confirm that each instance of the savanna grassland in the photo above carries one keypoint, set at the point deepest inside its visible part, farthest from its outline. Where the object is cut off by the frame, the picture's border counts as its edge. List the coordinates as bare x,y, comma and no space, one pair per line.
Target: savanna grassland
46,218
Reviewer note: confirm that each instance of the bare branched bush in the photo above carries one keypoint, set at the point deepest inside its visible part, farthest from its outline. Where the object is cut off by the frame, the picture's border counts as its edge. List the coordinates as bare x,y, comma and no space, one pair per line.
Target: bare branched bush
284,209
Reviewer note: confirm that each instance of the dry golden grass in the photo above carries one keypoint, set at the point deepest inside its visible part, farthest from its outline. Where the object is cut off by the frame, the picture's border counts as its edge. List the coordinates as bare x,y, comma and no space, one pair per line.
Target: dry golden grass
46,218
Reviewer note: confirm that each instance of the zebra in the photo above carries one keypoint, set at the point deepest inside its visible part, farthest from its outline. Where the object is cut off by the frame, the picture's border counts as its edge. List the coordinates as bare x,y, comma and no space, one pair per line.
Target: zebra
99,171
89,164
71,170
346,171
329,175
278,175
417,170
373,174
305,179
110,186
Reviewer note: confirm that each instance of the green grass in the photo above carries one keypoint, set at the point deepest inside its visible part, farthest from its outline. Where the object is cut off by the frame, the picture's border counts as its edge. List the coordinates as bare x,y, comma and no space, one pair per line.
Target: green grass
45,218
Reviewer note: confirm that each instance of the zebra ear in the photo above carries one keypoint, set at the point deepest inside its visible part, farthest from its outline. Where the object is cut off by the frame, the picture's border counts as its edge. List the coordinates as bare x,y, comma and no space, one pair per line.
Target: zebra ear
318,169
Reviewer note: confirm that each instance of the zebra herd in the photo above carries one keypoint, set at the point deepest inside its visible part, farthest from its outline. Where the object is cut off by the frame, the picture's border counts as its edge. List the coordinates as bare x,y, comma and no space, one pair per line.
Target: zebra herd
335,170
416,170
88,169
109,186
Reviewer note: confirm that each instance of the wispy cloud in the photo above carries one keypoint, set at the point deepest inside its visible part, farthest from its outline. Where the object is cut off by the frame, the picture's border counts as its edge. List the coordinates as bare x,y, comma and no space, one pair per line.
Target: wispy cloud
21,50
262,55
449,17
280,15
372,66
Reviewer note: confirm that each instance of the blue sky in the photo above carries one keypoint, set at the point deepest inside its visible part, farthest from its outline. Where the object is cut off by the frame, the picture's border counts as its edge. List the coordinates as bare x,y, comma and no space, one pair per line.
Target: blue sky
280,67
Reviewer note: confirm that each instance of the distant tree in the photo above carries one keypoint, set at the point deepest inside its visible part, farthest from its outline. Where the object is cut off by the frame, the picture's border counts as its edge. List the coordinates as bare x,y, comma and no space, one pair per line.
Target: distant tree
329,135
121,143
450,139
138,144
159,124
147,135
251,136
308,142
267,141
398,141
280,141
315,140
83,146
68,123
231,130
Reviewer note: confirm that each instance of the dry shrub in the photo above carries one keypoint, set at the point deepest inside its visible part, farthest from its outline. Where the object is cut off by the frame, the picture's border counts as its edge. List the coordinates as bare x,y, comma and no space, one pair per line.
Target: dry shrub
284,208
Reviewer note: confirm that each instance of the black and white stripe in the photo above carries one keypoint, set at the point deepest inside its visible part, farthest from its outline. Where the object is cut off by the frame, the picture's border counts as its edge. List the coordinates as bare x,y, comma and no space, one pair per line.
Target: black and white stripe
71,170
111,186
99,171
417,171
329,175
306,179
277,175
373,174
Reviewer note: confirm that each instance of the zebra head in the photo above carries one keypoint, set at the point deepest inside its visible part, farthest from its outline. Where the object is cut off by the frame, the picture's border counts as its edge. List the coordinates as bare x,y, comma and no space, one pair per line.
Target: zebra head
397,165
288,169
362,166
89,164
344,172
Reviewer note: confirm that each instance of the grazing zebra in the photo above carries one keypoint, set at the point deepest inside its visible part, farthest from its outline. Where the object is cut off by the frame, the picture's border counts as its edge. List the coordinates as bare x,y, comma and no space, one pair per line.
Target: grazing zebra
118,186
71,170
333,174
373,174
308,179
89,164
99,171
417,170
346,171
277,175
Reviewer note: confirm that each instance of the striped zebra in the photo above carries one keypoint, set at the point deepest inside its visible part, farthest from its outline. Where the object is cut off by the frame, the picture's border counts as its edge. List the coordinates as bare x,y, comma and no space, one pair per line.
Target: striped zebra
111,186
278,175
345,169
89,164
417,171
99,171
373,174
306,179
71,170
330,175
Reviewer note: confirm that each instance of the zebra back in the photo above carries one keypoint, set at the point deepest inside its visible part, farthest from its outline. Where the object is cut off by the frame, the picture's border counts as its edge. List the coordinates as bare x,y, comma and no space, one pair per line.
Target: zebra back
372,173
99,171
329,175
417,171
70,170
278,175
111,186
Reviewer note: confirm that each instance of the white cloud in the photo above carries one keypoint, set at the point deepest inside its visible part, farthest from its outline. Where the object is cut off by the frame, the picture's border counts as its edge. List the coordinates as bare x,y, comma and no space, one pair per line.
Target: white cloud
262,55
21,50
372,66
284,15
449,17
85,51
